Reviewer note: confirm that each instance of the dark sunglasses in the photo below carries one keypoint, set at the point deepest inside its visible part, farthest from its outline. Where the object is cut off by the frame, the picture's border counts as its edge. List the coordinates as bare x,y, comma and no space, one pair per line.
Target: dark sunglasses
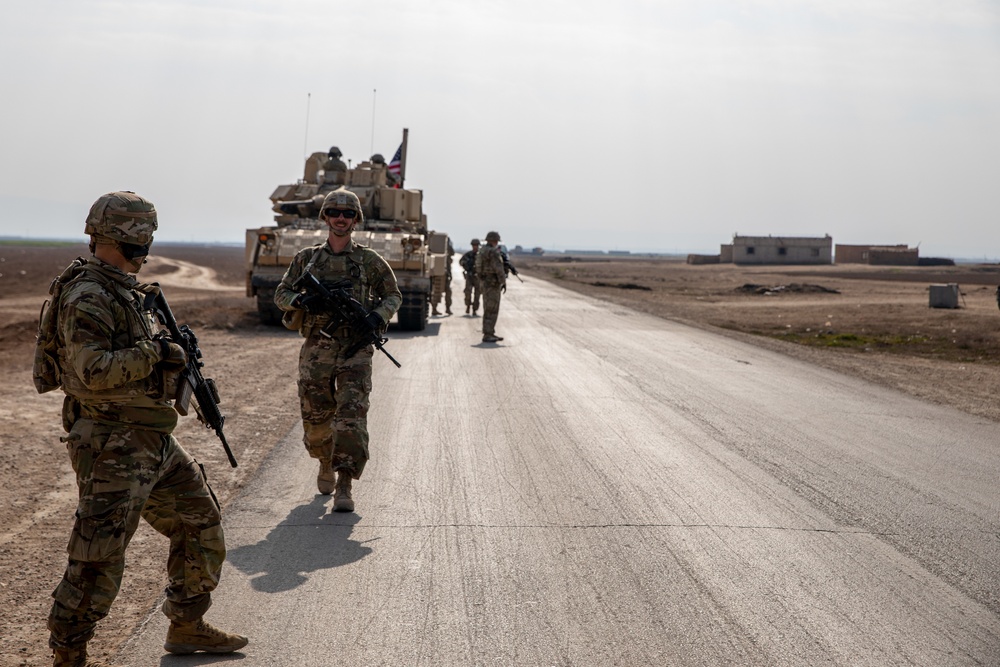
132,250
350,214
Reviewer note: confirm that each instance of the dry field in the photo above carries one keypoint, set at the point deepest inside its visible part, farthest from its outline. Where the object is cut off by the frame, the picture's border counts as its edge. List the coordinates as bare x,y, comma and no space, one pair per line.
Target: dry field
874,323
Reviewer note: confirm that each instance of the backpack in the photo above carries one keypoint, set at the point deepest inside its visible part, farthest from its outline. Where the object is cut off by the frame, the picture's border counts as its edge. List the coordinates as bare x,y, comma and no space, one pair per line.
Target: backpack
46,372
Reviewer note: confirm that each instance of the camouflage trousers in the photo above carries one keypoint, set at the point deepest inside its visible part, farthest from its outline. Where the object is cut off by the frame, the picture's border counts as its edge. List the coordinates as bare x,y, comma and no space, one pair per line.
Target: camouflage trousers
472,291
124,473
333,393
441,285
491,307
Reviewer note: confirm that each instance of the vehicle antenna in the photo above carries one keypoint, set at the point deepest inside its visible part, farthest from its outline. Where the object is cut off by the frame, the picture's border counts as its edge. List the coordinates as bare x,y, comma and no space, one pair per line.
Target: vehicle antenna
305,143
371,149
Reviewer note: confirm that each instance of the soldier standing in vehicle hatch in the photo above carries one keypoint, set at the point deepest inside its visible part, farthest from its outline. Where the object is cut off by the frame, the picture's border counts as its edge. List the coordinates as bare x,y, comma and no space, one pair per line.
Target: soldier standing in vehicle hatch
334,389
493,281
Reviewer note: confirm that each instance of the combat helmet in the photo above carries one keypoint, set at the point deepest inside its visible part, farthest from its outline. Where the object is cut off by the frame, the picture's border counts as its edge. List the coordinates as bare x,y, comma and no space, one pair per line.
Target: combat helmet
476,242
342,198
124,217
493,236
334,152
378,159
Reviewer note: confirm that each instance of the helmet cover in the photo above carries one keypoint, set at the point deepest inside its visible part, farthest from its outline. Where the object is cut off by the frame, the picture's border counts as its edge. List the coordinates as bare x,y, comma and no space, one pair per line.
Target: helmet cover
124,217
342,198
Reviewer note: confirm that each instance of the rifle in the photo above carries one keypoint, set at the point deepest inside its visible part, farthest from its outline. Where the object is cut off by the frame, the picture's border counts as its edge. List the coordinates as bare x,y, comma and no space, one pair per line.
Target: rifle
346,310
508,266
191,380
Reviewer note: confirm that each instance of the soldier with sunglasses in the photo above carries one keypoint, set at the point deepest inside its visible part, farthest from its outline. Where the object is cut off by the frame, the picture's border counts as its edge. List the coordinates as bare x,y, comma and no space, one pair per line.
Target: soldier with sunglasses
113,367
334,388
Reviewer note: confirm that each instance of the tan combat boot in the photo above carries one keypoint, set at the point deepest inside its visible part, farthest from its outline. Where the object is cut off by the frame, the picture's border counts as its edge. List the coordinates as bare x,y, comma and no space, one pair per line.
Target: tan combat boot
75,657
187,637
326,478
342,501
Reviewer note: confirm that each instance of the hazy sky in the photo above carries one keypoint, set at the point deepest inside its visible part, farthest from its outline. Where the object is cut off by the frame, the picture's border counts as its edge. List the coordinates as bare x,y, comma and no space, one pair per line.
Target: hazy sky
619,124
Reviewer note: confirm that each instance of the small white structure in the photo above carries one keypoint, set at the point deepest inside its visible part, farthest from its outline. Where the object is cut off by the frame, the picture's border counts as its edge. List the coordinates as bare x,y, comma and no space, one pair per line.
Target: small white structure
782,250
944,296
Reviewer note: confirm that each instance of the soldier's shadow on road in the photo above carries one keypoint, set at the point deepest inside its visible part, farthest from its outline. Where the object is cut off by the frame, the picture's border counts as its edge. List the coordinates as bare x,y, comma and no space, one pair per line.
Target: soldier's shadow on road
310,538
199,659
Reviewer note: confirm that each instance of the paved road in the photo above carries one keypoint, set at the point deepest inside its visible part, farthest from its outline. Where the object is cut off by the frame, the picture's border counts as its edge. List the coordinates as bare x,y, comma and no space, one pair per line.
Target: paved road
608,488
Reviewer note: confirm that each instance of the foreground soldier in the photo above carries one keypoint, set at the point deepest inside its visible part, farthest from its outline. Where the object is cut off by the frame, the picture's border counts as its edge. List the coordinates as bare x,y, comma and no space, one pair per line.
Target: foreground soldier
334,388
468,262
492,280
115,369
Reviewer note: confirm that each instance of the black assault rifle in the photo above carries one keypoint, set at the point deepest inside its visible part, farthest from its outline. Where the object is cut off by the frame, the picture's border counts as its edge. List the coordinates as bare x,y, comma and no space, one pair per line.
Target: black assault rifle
191,381
345,309
508,267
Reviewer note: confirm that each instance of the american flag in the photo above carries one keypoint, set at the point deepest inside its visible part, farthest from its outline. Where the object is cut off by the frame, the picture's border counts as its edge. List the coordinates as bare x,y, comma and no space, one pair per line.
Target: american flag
394,165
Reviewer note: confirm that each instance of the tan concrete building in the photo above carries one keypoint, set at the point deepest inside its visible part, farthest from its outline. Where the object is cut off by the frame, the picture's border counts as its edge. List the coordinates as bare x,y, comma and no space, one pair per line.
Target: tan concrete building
782,250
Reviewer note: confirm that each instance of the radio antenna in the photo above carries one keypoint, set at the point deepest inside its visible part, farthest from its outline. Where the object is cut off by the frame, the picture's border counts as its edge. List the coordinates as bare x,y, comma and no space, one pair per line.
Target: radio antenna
305,143
371,150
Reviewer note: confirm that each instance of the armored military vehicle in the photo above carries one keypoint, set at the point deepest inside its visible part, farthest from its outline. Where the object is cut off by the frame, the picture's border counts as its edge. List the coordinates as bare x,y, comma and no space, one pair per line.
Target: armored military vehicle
395,226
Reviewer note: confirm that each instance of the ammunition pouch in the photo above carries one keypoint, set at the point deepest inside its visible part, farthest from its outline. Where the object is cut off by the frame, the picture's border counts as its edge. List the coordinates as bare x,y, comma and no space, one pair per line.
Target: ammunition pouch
292,319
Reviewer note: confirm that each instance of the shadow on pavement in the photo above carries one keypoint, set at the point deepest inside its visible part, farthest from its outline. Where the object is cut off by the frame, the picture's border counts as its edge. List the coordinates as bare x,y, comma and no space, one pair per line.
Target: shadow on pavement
309,539
199,659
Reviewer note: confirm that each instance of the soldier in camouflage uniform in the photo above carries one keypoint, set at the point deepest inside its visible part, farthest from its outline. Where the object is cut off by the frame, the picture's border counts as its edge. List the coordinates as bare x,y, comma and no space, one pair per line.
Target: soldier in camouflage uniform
115,368
468,263
443,287
493,281
334,389
333,162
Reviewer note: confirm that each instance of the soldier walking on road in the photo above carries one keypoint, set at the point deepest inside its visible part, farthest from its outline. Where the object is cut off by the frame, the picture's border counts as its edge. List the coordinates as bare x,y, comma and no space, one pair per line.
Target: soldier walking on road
468,262
493,281
334,388
116,369
442,284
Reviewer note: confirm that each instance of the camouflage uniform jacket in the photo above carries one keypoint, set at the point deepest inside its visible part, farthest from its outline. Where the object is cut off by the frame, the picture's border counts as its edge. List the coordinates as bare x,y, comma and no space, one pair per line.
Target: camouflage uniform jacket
468,262
334,164
372,280
107,355
489,266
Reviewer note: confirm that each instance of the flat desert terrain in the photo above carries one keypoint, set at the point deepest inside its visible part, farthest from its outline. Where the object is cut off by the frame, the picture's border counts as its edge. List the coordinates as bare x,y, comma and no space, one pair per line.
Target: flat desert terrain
871,322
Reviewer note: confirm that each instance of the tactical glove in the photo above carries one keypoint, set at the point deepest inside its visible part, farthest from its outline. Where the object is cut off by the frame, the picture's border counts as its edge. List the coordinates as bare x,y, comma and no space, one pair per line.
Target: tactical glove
374,321
503,287
172,355
310,303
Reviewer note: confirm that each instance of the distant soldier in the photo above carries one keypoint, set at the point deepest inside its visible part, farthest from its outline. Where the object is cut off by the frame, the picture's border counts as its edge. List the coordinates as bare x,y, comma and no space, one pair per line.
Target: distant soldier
493,281
115,369
334,388
468,263
447,277
442,284
333,162
391,179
